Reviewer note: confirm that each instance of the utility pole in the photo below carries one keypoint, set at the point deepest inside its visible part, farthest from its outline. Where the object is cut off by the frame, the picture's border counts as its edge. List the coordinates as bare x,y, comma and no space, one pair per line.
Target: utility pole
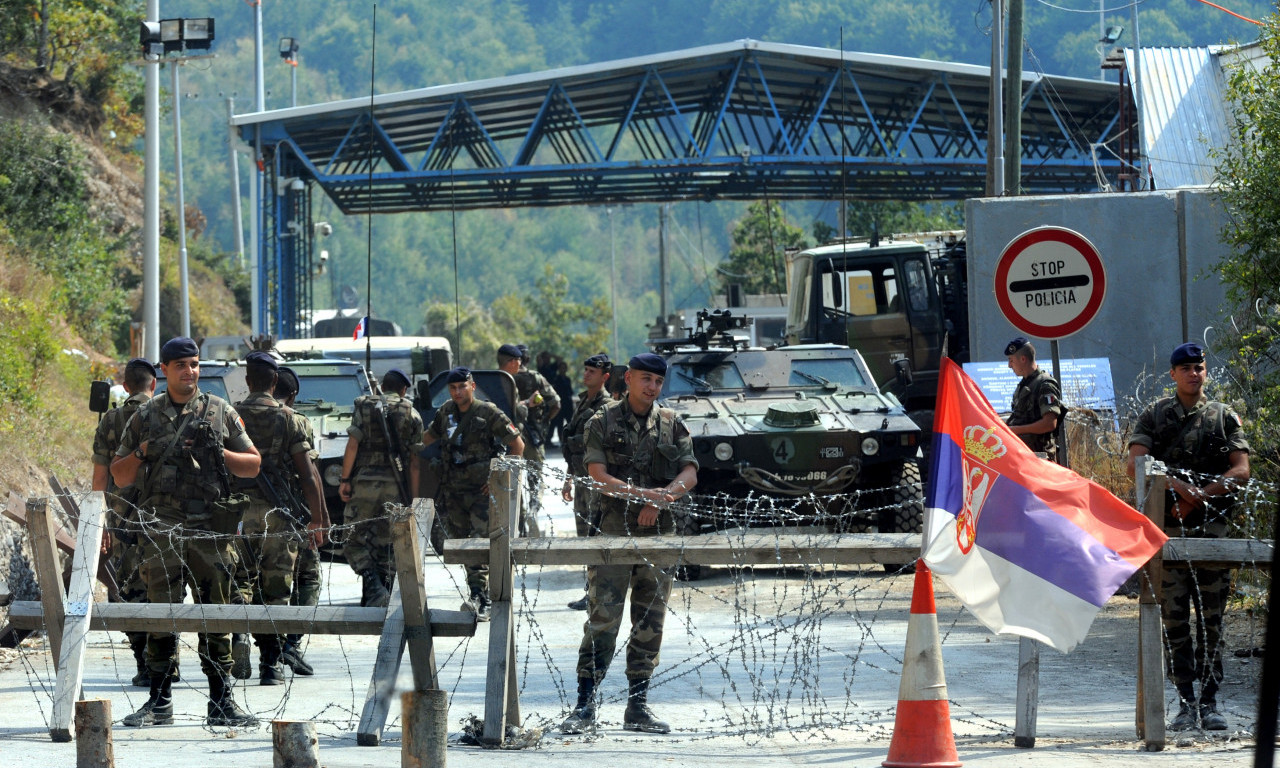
995,112
232,139
151,201
1013,102
255,178
174,66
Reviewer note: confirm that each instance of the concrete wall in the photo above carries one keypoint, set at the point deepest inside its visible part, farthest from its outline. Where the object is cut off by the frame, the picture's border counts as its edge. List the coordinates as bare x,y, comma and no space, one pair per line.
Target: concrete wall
1158,249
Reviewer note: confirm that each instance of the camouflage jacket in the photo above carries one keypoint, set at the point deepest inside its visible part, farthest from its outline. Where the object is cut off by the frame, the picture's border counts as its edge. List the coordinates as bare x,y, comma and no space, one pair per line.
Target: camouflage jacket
110,431
575,440
535,422
403,424
468,441
181,481
1199,440
648,451
274,430
1037,394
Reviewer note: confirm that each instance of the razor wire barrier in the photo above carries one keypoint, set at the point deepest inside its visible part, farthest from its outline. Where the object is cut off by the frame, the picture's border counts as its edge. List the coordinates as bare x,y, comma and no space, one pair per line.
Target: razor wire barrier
779,670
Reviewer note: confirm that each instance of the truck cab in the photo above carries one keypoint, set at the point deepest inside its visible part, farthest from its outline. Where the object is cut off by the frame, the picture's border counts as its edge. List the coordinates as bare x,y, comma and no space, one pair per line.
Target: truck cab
901,303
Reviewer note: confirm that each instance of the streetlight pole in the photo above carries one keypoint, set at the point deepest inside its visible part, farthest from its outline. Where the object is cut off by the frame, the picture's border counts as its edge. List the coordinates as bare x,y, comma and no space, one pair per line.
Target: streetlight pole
151,201
184,287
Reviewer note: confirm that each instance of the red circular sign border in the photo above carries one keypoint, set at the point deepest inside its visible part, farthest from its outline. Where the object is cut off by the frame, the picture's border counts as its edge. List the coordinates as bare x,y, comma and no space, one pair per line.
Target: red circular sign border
1070,238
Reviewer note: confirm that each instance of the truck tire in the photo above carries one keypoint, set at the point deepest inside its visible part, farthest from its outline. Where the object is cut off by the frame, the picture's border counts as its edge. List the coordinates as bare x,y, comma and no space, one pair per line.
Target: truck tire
924,420
903,500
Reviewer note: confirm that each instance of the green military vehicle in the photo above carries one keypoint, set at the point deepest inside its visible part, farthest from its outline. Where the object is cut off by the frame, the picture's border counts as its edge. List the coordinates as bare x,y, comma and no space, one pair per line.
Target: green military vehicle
796,435
901,302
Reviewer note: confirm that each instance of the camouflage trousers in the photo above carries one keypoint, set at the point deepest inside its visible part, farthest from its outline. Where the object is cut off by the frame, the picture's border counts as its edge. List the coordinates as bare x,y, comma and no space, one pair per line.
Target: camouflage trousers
607,587
533,484
172,562
368,544
1206,590
271,547
306,576
586,508
465,515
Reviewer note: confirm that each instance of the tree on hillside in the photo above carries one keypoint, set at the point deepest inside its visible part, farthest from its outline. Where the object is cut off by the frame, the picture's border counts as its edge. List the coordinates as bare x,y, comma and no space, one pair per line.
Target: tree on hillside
885,217
1249,174
756,254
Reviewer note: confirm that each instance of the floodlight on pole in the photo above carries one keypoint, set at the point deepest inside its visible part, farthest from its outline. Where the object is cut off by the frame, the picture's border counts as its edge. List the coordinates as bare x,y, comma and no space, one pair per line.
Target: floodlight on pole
169,35
289,52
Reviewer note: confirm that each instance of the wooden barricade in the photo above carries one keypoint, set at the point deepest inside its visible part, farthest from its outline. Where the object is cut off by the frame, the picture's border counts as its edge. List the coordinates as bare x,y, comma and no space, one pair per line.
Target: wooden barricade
405,621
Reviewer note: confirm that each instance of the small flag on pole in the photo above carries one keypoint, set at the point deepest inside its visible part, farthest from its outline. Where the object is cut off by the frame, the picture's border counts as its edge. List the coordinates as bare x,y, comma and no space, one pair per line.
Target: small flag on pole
362,328
1030,547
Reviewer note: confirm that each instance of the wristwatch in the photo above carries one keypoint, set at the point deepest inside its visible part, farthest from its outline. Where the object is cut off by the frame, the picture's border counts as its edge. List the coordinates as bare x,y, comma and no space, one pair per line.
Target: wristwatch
141,454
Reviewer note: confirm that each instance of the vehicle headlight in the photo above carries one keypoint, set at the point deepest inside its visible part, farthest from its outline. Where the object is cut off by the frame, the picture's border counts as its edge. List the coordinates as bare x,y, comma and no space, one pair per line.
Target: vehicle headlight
870,446
333,474
724,451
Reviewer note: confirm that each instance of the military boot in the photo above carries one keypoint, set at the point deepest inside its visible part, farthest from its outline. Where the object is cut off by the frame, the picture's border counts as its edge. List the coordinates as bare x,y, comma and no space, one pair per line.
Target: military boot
374,594
241,657
143,678
223,709
481,602
583,715
638,716
293,658
270,670
1185,720
158,708
1210,718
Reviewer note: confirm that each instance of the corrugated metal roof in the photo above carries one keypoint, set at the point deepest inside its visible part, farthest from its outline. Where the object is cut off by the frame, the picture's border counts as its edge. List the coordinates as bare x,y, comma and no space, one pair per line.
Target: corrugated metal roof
1183,112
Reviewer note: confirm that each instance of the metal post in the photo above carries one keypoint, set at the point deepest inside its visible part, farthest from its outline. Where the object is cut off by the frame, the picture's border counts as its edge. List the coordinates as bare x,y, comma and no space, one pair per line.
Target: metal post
1013,103
182,203
232,138
662,264
255,185
293,90
151,202
613,282
1137,100
995,112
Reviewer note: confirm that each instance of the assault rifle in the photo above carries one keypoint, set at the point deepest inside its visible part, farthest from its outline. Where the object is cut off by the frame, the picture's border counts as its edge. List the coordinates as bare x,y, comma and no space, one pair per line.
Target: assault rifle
279,491
393,452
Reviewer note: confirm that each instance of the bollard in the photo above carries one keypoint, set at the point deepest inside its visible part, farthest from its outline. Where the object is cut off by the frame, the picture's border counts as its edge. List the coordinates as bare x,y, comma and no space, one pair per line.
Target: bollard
93,732
294,744
425,715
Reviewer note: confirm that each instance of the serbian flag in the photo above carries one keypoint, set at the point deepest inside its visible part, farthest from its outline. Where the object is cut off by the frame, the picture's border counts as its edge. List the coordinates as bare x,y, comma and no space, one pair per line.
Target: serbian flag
362,328
1029,547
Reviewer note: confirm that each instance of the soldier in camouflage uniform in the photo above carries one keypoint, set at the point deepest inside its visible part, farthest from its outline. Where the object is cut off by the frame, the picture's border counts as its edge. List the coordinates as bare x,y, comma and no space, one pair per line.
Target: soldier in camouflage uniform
471,434
1037,402
641,457
121,538
371,480
586,508
275,524
1201,441
181,448
540,404
306,569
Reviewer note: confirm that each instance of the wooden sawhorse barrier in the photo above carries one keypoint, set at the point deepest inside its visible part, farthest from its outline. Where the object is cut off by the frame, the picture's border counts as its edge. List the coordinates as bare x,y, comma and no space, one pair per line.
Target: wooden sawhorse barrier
406,621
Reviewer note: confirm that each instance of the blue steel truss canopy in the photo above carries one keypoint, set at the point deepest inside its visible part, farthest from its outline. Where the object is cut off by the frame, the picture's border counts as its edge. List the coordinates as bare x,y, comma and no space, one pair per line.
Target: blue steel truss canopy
737,121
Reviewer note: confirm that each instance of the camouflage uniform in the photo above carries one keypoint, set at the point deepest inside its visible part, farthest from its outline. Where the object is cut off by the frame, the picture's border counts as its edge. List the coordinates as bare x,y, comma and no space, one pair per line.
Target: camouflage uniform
1198,442
648,451
373,484
468,442
271,535
586,506
306,569
126,549
1037,394
534,431
178,500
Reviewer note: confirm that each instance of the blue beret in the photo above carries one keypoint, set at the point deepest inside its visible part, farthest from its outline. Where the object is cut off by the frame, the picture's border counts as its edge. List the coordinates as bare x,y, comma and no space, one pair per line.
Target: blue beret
1186,353
397,372
510,350
647,361
143,363
458,375
178,348
262,359
1015,345
600,361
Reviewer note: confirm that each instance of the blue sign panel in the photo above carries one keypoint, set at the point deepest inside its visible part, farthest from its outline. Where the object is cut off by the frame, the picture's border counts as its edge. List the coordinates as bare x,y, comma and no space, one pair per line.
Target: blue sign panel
1086,383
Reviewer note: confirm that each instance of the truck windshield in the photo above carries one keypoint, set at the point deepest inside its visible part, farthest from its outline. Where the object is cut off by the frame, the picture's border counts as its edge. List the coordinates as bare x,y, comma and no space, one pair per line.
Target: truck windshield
342,390
798,301
695,378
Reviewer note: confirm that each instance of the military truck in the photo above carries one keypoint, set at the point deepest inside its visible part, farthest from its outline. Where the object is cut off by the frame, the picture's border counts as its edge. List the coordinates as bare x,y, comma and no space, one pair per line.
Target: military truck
795,435
901,302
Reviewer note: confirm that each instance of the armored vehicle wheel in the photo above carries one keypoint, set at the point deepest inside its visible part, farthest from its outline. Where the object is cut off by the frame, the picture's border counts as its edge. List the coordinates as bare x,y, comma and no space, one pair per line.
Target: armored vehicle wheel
903,510
924,420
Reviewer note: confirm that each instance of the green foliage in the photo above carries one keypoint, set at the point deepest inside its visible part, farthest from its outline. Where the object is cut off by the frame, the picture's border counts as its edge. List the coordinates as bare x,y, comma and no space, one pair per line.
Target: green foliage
1249,175
757,256
27,346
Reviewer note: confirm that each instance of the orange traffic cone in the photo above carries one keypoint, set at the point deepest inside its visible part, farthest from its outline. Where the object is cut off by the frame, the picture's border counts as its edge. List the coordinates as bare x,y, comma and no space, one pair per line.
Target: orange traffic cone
922,726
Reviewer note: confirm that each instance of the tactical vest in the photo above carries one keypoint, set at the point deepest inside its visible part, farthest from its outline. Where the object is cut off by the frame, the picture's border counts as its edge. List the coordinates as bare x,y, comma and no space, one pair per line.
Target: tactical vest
1197,443
575,433
111,430
375,452
185,481
468,444
1025,409
652,461
270,426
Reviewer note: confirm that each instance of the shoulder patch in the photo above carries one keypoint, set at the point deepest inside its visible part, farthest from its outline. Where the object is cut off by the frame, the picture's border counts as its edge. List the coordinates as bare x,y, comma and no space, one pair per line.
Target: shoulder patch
512,430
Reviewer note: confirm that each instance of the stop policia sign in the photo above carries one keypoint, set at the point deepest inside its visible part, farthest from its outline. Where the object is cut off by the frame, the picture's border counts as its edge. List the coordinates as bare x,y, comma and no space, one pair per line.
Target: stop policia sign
1050,282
